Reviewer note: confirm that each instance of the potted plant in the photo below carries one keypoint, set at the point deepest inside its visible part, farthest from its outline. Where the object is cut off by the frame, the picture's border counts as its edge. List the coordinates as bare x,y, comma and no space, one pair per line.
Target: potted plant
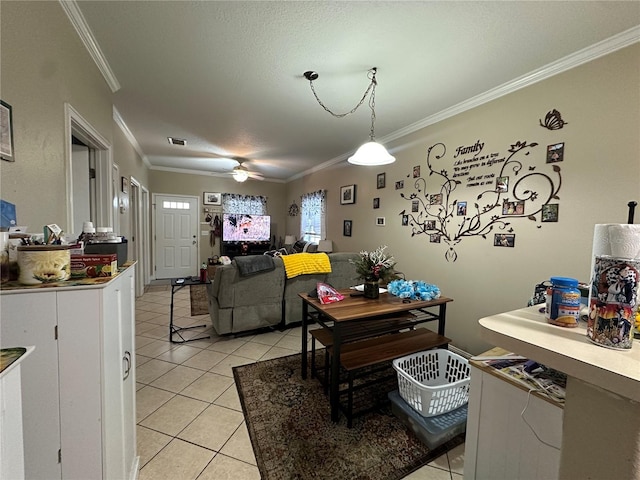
373,268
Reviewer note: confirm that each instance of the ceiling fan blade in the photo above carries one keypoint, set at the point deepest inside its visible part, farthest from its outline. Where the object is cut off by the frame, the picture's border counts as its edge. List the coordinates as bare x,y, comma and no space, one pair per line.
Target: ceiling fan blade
256,176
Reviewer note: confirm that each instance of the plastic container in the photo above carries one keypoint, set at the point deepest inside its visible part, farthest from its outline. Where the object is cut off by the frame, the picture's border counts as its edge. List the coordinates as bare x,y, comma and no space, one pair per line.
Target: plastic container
563,302
432,431
44,264
433,382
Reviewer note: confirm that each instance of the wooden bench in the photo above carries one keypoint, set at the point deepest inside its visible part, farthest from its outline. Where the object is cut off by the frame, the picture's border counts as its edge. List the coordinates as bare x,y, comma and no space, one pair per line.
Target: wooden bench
360,354
357,330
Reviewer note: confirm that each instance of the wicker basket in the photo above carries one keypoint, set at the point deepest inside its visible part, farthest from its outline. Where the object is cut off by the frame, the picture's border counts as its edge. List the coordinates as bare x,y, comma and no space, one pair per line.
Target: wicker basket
433,382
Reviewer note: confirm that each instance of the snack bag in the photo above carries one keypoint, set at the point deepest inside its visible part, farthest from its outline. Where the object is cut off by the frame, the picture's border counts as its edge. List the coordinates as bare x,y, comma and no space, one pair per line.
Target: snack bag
328,294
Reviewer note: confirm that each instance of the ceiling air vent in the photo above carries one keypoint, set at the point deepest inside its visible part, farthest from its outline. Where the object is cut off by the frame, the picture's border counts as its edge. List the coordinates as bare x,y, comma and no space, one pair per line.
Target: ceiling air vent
177,141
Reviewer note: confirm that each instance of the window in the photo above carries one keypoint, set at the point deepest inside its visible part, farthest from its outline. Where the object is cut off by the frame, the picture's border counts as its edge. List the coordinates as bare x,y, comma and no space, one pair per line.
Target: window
251,204
312,216
175,205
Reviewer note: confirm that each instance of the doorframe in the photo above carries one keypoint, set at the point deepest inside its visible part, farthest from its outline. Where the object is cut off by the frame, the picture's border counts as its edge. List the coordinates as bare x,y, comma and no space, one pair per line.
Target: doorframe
76,125
146,232
138,228
154,197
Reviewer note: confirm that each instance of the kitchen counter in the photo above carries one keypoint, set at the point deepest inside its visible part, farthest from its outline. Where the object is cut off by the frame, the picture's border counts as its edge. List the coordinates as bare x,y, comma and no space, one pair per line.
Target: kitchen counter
86,282
601,426
527,333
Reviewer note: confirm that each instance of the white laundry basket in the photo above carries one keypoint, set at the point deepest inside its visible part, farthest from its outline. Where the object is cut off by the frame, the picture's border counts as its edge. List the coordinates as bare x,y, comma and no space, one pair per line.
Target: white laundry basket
433,382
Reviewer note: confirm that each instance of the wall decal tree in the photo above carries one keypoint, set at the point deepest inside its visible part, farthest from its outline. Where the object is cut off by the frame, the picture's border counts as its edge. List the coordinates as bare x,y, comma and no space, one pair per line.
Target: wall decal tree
492,209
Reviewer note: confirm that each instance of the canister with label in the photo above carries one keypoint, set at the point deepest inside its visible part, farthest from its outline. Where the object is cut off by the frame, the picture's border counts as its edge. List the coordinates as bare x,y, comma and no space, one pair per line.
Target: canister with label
563,302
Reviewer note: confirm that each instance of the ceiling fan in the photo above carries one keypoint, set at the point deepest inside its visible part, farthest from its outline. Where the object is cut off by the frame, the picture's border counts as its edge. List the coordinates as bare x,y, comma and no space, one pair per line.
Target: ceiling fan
241,173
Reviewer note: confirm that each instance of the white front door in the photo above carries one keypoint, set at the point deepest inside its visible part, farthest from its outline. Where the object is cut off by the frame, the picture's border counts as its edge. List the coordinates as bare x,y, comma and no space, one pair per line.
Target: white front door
176,236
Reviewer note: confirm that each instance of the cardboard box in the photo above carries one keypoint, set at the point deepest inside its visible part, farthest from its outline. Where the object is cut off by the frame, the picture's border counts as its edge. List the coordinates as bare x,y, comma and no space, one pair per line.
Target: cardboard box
94,265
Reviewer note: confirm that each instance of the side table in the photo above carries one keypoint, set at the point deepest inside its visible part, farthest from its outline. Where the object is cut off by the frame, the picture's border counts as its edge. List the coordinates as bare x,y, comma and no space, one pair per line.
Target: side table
176,285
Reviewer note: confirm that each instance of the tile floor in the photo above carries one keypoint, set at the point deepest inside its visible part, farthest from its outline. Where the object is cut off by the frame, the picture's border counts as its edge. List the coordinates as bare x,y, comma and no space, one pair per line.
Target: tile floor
189,419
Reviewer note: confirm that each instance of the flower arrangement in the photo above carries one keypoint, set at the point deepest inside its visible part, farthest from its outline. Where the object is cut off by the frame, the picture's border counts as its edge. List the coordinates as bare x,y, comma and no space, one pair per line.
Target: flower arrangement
414,290
375,266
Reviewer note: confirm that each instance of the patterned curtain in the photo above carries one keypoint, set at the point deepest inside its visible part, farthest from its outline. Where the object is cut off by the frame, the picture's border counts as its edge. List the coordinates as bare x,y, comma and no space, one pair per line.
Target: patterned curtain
313,210
251,204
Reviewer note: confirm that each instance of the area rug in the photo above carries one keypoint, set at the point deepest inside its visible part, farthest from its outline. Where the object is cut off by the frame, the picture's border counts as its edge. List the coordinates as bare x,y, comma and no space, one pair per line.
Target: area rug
293,437
199,300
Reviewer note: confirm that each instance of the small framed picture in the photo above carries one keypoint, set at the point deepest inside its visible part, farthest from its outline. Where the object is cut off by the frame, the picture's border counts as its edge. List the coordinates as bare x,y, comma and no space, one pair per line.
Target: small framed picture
347,195
502,184
399,184
347,227
381,180
415,206
380,222
555,153
6,132
434,238
550,212
376,202
405,220
435,199
513,208
462,209
209,198
504,240
416,171
124,182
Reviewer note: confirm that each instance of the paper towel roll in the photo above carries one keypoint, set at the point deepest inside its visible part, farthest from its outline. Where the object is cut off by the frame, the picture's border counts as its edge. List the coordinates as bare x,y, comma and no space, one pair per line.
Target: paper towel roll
601,245
624,240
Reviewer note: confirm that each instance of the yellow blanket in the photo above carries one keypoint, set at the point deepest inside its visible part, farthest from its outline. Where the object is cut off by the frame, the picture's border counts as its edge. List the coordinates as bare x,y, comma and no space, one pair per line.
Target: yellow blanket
304,263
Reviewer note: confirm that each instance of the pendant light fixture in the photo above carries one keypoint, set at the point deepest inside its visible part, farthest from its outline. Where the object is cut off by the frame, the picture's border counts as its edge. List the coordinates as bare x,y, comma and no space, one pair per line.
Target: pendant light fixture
372,152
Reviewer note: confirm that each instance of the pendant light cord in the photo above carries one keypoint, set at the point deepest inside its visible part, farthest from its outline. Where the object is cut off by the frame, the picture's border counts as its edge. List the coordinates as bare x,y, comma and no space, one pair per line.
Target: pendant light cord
371,88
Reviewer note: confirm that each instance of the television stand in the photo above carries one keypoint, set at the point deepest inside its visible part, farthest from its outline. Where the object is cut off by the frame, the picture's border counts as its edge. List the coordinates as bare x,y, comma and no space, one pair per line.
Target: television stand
234,249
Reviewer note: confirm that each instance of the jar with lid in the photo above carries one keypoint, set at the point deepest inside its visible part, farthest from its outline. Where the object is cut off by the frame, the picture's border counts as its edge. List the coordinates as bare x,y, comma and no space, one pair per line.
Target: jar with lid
563,302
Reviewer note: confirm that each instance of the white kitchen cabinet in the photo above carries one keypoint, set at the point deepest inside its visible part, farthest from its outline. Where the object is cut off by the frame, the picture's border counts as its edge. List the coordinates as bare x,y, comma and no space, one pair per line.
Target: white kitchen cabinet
499,444
79,387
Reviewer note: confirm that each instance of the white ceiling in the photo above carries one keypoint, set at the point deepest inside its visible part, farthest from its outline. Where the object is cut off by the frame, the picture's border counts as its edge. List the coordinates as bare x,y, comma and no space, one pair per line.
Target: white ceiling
227,75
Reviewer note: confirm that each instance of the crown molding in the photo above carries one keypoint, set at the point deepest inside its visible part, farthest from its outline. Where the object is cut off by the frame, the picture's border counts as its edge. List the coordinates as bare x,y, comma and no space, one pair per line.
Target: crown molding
610,45
72,10
132,139
593,52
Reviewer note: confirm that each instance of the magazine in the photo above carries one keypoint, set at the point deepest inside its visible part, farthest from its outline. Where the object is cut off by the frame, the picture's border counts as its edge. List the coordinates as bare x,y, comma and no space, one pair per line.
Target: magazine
530,374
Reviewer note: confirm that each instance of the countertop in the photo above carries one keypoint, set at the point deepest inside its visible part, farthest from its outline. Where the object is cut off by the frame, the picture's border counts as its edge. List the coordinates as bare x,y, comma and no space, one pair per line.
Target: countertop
85,282
527,333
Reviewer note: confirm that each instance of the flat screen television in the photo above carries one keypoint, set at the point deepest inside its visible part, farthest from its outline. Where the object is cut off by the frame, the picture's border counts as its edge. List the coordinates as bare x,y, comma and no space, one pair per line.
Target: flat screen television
242,227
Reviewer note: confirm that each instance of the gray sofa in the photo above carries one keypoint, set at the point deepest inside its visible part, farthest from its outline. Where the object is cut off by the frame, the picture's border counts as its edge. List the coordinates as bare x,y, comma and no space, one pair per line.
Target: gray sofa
268,299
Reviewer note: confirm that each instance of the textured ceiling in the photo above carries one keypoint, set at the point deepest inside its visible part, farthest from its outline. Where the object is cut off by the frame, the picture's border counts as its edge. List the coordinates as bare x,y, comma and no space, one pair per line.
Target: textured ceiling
227,75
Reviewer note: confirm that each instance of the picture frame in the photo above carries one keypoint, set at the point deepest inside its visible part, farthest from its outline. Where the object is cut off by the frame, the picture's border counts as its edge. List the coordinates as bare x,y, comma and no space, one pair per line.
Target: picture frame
6,132
347,227
550,212
504,240
381,180
399,184
555,152
124,184
212,198
380,221
348,195
376,202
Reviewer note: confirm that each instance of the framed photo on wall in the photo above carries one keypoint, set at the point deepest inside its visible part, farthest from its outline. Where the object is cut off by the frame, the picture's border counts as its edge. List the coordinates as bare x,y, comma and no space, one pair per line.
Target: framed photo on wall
347,227
381,181
347,194
210,198
6,132
380,221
